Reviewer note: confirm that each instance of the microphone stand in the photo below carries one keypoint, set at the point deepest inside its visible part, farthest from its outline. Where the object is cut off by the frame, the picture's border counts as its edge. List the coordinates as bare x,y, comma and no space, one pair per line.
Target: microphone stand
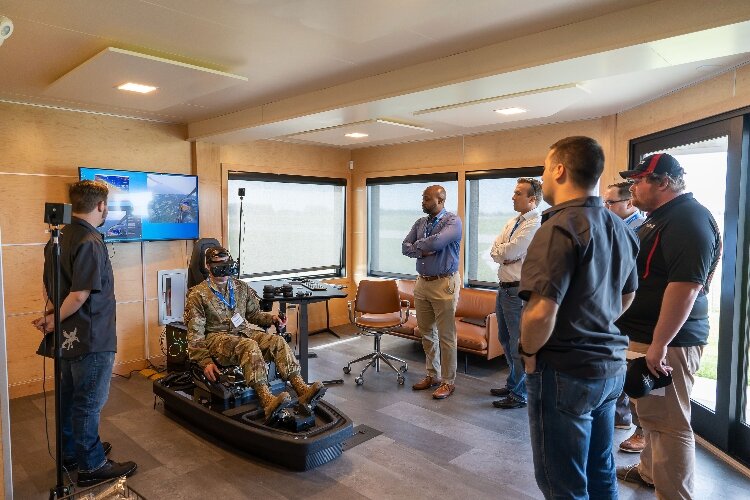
60,490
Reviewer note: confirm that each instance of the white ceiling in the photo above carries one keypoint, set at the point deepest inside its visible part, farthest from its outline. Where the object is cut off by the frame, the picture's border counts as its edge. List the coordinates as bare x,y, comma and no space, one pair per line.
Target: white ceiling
288,48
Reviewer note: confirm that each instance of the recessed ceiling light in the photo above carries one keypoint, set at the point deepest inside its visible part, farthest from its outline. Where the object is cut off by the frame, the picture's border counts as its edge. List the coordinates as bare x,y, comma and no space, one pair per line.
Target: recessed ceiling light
510,111
137,87
356,135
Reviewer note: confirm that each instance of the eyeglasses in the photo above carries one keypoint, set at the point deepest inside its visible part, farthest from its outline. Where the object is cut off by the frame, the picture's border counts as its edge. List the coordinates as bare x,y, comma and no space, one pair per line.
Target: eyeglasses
609,203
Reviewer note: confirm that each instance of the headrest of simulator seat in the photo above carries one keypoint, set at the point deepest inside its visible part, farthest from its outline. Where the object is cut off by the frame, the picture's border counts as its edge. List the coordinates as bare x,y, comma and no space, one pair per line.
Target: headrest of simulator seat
197,271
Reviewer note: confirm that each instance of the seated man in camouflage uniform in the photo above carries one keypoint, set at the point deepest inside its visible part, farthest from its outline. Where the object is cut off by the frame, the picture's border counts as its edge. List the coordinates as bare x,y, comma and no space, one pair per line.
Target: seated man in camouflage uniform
218,314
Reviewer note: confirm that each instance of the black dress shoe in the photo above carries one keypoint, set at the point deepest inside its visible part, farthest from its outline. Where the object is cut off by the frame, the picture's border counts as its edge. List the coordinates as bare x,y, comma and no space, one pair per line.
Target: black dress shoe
509,403
110,470
501,392
72,464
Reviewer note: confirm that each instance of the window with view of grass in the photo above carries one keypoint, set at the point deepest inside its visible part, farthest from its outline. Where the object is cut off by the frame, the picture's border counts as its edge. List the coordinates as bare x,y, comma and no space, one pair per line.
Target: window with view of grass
393,205
291,225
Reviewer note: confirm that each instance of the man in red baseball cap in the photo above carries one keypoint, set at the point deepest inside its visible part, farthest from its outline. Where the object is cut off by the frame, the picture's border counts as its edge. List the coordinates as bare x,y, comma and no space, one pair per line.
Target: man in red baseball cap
680,246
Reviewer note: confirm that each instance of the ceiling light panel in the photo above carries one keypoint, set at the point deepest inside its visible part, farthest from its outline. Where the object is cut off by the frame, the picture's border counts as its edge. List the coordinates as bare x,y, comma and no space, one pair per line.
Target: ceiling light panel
96,81
538,103
363,132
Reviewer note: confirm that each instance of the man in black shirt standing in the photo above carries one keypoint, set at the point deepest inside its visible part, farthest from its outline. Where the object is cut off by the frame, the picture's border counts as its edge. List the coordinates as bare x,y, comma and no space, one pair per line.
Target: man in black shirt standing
668,321
89,340
578,277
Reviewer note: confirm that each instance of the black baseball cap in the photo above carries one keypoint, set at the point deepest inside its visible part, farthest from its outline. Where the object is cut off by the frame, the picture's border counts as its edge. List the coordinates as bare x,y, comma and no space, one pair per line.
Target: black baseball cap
659,163
639,381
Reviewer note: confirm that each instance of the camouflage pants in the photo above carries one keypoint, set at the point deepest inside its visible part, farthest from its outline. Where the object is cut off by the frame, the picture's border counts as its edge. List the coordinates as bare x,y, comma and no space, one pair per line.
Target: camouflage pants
252,352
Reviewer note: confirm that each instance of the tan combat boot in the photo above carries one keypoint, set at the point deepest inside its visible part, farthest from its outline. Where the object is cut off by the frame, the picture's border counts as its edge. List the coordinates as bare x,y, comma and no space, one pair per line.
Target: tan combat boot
271,404
307,394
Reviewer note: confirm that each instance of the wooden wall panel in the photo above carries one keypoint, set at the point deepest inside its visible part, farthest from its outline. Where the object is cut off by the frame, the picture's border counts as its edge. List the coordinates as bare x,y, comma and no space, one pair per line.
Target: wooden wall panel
126,265
164,255
39,140
22,209
22,272
22,340
287,158
207,166
130,332
426,155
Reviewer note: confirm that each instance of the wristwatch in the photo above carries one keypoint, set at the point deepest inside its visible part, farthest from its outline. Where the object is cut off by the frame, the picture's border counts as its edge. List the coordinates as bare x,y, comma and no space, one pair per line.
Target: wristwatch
524,353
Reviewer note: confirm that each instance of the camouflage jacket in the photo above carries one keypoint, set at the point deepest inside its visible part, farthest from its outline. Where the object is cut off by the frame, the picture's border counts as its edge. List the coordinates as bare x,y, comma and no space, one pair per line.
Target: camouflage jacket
205,313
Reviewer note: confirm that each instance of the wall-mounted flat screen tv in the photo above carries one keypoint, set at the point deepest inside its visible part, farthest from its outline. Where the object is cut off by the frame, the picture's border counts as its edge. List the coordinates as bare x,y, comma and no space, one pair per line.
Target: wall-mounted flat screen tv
147,206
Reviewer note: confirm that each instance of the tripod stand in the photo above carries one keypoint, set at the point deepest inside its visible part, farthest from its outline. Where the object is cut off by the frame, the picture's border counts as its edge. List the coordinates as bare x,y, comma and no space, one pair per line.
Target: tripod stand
60,489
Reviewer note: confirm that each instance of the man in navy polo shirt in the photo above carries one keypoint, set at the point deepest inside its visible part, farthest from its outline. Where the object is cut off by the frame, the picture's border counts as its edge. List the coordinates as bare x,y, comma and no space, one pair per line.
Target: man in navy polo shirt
89,340
668,321
578,277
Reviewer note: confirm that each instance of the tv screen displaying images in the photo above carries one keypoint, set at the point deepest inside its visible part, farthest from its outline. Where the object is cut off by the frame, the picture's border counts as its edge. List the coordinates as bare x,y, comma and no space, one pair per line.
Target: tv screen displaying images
147,206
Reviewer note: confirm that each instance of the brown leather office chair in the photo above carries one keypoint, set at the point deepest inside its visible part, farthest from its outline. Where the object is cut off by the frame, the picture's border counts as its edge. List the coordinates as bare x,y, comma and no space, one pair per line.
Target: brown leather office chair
376,310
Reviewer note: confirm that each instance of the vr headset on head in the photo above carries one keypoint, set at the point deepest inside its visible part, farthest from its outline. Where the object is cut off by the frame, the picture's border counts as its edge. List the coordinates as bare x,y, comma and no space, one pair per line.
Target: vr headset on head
219,269
226,268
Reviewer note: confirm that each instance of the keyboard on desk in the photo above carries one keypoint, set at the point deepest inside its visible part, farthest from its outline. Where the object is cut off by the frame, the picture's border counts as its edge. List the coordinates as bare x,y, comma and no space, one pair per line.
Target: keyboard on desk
312,285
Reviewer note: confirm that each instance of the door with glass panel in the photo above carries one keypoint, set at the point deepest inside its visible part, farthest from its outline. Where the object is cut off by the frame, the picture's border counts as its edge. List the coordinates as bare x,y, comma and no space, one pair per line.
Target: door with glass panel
712,156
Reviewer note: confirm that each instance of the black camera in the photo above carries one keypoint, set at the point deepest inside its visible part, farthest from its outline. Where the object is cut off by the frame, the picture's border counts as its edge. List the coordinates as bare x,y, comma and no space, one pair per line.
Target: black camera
56,214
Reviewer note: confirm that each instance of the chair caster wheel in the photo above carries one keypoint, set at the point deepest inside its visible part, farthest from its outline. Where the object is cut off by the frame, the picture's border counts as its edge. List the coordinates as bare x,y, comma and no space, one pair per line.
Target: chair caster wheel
401,380
347,369
359,380
403,368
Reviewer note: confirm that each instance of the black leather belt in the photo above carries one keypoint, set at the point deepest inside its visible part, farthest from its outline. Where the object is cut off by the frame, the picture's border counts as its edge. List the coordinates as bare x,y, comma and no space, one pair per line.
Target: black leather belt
438,277
509,284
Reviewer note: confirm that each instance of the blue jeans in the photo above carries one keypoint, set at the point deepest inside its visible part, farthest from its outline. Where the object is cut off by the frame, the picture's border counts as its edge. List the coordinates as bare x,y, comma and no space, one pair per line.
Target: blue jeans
84,390
572,424
508,310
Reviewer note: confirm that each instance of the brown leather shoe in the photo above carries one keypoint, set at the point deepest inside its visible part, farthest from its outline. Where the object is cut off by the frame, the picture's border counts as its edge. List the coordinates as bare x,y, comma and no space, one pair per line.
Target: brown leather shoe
443,391
634,444
630,474
425,383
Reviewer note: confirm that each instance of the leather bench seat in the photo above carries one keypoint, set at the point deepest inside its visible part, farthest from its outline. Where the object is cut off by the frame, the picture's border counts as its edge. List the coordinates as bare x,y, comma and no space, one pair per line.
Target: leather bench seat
477,306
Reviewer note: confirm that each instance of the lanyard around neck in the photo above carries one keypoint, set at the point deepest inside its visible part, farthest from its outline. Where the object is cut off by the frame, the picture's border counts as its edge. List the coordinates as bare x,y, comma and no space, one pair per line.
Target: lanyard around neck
231,303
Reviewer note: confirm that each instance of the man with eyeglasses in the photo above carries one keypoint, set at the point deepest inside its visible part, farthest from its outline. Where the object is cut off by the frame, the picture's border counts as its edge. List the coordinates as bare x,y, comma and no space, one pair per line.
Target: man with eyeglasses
680,247
618,200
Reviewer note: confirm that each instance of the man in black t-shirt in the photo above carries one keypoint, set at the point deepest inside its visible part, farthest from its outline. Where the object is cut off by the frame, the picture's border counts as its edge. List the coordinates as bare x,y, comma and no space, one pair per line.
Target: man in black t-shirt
88,338
578,277
668,320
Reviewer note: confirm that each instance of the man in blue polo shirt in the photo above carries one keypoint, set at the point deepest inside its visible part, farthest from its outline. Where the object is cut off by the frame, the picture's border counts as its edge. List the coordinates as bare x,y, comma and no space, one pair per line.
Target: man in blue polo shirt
578,277
435,241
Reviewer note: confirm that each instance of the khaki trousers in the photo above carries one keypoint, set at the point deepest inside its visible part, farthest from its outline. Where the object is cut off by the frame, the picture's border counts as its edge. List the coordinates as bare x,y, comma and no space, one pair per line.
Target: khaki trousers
435,302
668,461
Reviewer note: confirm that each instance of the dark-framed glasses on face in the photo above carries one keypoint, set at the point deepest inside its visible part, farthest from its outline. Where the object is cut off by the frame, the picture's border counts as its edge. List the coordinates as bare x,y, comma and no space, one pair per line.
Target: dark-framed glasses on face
609,203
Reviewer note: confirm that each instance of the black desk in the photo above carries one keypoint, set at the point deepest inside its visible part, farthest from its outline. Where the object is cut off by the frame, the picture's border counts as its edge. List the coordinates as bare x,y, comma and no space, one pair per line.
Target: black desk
319,296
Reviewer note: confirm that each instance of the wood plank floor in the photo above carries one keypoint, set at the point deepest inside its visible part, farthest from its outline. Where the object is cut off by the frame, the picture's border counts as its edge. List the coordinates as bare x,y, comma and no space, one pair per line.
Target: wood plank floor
460,448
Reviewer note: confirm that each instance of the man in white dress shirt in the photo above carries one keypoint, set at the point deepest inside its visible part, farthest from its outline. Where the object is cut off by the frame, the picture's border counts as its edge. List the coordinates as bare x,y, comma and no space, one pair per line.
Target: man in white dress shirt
509,250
